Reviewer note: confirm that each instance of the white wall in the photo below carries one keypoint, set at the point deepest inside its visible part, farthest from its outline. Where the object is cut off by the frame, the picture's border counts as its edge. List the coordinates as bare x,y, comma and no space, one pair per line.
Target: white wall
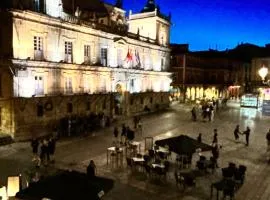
85,78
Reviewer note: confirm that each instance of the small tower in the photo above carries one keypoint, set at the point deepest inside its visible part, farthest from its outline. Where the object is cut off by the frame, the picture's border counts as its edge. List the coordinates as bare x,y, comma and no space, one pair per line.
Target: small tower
151,23
150,6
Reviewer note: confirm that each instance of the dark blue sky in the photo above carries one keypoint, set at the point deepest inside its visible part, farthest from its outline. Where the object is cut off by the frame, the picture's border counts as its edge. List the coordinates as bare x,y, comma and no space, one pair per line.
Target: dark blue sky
214,24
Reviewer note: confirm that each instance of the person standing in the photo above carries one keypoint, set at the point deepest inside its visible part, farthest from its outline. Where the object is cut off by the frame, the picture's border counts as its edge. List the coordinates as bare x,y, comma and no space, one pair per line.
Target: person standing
44,152
247,133
215,153
236,132
268,138
194,114
115,133
51,148
199,138
215,139
34,145
124,133
91,170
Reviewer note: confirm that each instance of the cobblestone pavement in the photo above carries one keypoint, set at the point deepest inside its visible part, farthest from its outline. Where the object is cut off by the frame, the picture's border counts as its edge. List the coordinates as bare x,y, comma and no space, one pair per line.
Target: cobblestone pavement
75,153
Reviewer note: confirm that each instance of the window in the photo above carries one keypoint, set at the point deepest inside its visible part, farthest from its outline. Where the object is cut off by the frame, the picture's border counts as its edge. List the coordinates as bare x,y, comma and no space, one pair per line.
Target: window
68,85
162,64
87,55
40,110
142,100
39,85
132,85
38,48
151,100
36,5
68,52
103,56
119,58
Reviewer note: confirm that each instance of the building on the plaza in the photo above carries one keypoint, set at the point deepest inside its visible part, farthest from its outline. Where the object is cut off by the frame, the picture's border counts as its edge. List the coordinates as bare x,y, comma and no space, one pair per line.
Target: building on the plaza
263,90
205,74
61,58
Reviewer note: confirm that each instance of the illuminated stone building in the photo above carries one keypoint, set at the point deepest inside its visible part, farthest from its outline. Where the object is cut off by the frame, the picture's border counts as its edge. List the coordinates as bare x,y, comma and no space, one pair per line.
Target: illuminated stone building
258,87
73,57
206,74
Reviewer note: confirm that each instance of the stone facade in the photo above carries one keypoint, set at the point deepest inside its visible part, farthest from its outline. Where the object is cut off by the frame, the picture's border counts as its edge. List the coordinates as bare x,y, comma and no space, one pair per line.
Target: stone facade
78,67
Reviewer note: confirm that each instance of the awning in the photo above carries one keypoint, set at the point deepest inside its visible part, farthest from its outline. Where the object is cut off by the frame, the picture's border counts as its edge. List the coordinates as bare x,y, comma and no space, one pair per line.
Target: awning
183,144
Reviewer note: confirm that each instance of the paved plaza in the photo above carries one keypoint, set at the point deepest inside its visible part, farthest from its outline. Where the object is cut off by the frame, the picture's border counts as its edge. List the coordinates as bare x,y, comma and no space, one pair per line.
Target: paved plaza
75,153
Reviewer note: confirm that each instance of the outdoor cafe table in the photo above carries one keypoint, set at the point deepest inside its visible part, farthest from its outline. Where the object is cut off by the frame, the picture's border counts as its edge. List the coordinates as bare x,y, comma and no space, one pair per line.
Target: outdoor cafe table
112,149
137,144
154,165
135,159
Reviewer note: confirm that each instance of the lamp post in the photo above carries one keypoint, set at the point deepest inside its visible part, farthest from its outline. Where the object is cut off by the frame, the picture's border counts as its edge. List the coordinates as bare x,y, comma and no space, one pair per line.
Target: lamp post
263,71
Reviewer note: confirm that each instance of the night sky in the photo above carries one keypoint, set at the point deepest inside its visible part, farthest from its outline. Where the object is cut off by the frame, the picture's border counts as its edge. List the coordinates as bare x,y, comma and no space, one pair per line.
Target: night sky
216,24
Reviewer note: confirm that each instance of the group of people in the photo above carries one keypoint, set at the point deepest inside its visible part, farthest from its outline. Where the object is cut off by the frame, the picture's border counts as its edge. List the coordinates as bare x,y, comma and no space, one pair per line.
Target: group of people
127,134
237,132
208,110
43,151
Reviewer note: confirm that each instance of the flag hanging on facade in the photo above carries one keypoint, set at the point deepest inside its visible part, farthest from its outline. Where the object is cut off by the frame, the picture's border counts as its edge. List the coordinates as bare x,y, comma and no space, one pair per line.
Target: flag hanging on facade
138,60
129,56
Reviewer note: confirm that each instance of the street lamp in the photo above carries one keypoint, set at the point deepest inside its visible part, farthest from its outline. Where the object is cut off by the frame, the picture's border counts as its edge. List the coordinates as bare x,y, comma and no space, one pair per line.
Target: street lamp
263,73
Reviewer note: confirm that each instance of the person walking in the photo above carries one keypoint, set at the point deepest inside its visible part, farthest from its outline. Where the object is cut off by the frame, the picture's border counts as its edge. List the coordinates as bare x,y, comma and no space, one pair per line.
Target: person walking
268,145
140,126
123,134
199,138
215,137
236,132
91,170
115,133
44,154
247,133
194,114
34,145
51,148
215,153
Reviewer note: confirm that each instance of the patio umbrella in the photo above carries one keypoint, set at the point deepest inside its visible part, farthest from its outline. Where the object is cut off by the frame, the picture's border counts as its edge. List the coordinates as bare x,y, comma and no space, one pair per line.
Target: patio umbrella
183,145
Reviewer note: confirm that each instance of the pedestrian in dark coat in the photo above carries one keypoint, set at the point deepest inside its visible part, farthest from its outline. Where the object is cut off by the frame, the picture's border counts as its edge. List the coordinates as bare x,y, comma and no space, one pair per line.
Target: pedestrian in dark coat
215,139
115,132
34,145
215,153
199,138
124,133
236,132
194,114
268,138
91,170
44,152
51,149
268,145
247,133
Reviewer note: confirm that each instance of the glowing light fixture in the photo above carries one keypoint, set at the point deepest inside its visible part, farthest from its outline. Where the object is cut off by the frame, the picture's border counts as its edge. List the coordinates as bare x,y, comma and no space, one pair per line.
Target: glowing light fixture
263,72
